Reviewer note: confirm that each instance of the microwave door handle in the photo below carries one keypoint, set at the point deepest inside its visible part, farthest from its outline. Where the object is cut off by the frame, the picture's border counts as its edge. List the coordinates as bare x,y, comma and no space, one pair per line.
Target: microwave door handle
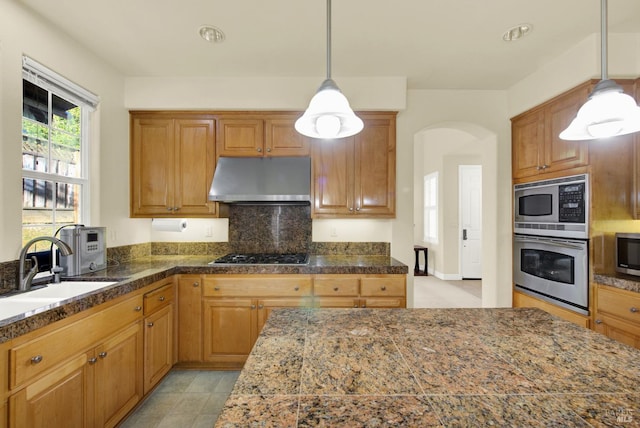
553,243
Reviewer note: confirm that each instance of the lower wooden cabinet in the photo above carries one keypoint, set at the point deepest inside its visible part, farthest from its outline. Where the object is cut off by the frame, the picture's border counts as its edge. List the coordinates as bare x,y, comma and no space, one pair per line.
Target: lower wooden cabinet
617,314
189,318
158,333
92,389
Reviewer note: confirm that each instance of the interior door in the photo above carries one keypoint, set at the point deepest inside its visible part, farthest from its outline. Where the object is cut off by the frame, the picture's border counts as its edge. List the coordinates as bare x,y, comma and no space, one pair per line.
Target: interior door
470,179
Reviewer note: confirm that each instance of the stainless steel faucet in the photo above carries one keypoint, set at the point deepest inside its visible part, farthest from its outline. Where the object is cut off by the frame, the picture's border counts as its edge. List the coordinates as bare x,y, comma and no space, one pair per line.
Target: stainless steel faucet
25,280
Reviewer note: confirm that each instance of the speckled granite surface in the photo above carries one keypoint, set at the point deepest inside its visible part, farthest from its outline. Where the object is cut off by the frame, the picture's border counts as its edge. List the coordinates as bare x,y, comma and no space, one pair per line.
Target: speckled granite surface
140,272
433,367
624,282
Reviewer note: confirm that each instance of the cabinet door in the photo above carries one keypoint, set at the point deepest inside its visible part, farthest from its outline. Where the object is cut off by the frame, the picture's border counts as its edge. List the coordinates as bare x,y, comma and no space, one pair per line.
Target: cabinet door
527,144
230,329
118,376
195,163
240,137
560,154
617,329
57,400
333,175
282,139
383,302
265,306
158,346
375,169
336,302
189,318
152,166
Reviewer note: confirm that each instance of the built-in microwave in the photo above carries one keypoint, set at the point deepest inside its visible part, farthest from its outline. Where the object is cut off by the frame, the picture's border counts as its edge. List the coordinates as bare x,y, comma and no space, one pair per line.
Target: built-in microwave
628,253
555,207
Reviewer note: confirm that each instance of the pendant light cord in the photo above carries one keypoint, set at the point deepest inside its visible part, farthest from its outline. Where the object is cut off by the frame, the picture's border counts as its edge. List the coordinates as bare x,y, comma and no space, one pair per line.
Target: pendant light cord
603,38
329,39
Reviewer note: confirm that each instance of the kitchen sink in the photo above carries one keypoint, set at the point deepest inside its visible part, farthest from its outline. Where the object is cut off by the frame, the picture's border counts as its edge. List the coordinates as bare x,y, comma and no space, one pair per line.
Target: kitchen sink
43,298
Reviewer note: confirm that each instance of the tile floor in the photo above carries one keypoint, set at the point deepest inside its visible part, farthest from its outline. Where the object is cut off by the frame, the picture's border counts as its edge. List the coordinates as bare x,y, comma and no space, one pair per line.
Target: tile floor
194,398
184,399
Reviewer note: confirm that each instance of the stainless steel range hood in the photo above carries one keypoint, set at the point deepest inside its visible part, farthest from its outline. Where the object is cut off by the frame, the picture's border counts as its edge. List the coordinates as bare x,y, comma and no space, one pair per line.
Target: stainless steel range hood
276,179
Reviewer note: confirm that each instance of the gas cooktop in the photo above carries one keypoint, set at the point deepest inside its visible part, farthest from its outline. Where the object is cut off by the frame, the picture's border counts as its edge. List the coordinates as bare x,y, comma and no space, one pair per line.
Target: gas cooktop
263,259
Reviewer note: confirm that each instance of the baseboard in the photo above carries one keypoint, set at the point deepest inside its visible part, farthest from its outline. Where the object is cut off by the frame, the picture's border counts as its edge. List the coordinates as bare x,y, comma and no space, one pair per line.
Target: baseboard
447,276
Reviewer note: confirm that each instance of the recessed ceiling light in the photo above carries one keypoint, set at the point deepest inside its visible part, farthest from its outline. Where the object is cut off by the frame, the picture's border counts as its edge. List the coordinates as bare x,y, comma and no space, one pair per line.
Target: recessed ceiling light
517,32
211,34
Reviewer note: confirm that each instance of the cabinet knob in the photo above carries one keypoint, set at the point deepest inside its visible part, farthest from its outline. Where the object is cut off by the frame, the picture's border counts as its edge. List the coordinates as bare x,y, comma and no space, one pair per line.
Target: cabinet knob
150,324
216,288
364,305
351,209
161,298
259,149
92,360
383,288
296,288
335,288
102,355
355,305
260,306
358,209
633,310
36,360
137,308
253,306
598,321
196,284
169,209
269,149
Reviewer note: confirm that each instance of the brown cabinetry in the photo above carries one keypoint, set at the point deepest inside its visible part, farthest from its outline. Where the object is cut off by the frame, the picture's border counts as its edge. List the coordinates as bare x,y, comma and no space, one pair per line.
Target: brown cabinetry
521,300
355,176
189,318
536,145
253,135
360,291
86,373
617,314
158,333
172,163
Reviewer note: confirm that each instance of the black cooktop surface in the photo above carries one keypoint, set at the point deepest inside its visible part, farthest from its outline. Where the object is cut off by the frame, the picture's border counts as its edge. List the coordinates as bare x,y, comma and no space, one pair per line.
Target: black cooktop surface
264,259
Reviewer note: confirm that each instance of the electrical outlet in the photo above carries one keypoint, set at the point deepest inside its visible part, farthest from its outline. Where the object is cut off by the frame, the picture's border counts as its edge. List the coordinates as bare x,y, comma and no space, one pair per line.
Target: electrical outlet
208,232
113,236
333,232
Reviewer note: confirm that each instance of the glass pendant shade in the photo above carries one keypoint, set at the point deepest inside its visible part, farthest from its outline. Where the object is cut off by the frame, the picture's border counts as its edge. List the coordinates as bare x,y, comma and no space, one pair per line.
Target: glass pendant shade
329,115
608,112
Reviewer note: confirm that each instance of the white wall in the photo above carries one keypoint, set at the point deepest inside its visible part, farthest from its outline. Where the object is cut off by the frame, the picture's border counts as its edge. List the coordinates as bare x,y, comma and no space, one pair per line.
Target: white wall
22,32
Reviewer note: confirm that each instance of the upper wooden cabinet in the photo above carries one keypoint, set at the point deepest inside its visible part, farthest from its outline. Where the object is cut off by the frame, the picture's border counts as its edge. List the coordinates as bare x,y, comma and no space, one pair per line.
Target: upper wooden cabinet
536,145
251,135
172,164
356,176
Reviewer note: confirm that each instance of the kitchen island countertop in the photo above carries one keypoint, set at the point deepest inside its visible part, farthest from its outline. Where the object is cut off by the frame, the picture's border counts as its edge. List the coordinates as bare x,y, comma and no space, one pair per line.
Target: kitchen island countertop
140,272
433,367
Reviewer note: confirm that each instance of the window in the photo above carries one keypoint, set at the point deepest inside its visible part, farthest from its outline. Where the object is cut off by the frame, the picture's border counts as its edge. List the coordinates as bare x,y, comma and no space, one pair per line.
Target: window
431,208
55,130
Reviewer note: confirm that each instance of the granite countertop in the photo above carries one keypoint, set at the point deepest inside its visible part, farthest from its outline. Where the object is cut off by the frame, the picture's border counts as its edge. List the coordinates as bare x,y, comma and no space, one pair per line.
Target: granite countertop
143,271
433,367
624,282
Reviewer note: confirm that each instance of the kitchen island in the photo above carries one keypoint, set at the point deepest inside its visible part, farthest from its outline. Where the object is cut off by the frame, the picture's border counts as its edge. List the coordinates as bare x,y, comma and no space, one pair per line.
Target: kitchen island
433,367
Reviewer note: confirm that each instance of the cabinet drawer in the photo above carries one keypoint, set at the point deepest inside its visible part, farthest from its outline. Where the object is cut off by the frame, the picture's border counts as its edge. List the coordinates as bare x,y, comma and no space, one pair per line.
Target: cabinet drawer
158,298
383,286
337,286
620,303
41,354
262,286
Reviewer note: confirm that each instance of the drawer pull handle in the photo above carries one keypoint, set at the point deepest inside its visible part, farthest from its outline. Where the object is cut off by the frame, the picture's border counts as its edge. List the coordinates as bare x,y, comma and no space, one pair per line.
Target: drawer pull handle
37,359
102,355
196,284
138,308
216,288
296,288
598,321
335,288
93,360
150,324
161,298
633,310
383,288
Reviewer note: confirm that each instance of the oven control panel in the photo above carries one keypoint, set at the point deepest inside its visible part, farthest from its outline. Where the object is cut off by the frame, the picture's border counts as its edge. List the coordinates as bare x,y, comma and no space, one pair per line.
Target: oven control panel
572,203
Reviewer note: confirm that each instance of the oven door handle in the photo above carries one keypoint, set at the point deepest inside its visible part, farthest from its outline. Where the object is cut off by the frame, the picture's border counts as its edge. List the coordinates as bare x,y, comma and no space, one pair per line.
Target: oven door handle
550,242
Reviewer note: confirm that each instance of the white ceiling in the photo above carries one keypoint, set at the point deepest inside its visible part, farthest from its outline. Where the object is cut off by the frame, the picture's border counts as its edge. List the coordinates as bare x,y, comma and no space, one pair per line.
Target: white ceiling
436,44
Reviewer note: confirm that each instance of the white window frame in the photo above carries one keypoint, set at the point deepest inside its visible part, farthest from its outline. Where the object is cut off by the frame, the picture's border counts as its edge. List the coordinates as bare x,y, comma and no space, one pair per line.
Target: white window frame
430,205
53,82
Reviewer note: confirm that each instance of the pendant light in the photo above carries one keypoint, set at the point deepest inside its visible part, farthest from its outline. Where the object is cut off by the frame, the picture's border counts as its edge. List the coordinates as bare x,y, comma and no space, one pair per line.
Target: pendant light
329,114
608,111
